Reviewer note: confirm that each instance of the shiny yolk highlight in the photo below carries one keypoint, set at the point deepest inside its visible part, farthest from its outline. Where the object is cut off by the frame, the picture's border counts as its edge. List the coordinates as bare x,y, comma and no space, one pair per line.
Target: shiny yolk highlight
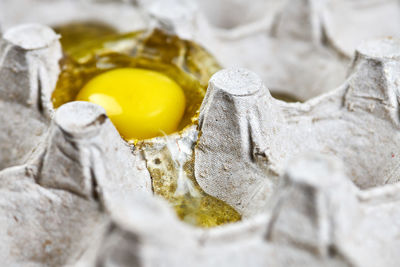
141,103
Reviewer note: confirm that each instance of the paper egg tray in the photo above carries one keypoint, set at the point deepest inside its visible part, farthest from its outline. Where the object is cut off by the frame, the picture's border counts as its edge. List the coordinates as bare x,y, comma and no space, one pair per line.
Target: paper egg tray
316,182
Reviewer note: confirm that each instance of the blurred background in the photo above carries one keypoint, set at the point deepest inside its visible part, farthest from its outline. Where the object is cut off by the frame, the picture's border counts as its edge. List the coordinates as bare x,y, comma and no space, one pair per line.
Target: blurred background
301,48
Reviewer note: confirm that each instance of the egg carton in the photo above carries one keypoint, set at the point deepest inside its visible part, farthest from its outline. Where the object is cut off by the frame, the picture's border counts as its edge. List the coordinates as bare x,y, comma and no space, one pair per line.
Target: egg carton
83,197
76,194
300,48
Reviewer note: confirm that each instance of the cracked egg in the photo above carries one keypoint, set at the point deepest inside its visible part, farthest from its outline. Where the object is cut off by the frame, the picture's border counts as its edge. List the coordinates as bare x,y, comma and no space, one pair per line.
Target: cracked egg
146,73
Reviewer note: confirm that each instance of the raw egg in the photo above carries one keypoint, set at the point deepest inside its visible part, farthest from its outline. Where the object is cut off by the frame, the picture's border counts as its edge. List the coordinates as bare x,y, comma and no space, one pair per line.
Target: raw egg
141,103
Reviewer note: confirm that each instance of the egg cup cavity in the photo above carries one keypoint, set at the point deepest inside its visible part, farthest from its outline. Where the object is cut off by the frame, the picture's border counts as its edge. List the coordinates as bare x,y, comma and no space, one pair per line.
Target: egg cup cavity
169,158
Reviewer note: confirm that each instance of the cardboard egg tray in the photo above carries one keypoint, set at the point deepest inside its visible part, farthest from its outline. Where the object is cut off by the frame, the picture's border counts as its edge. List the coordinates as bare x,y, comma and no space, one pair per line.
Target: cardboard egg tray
315,183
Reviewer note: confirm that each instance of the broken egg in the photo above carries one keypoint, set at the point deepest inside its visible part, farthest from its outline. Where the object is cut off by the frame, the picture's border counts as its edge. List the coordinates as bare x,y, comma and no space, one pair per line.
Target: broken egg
185,63
151,85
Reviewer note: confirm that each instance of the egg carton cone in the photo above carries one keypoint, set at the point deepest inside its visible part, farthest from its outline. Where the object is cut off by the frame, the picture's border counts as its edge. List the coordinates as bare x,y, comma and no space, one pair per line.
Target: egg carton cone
28,71
358,123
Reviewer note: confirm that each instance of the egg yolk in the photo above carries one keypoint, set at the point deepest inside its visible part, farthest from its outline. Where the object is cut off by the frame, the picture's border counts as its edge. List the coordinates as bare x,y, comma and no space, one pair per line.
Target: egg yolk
141,103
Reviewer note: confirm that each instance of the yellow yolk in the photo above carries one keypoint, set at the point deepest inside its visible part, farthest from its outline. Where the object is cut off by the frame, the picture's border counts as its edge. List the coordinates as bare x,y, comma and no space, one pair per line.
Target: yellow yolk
141,103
